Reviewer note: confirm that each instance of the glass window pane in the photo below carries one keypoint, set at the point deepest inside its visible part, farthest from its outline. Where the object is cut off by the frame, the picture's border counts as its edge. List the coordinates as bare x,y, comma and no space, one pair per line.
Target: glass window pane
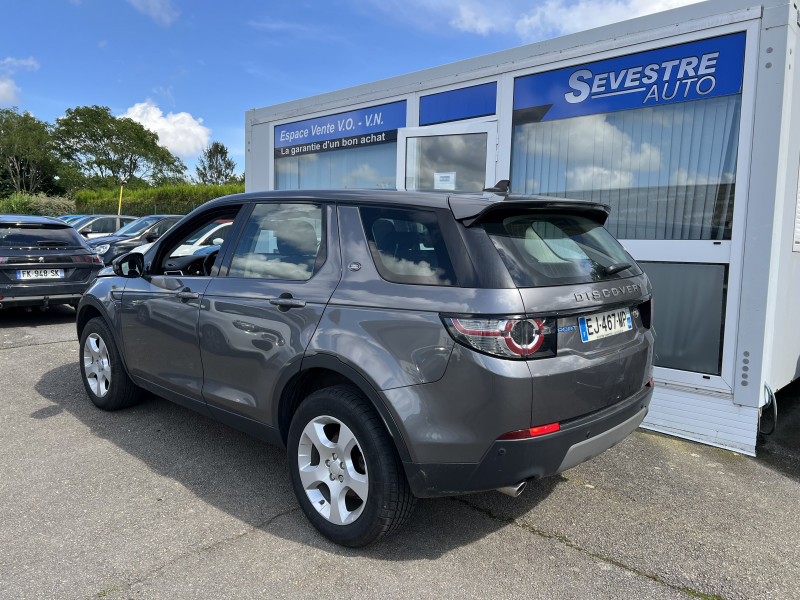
280,241
370,167
407,246
668,172
446,163
541,249
689,315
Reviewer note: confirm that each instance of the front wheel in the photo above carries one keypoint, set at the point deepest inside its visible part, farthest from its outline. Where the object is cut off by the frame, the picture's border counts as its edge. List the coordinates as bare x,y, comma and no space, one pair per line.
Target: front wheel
344,469
104,376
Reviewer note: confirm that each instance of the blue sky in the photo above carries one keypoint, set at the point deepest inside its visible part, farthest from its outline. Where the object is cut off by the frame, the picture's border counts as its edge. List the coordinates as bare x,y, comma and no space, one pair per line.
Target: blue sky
189,69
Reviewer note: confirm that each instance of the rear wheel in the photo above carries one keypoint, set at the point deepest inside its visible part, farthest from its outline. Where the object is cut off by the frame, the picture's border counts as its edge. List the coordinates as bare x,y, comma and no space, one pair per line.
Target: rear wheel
344,469
104,376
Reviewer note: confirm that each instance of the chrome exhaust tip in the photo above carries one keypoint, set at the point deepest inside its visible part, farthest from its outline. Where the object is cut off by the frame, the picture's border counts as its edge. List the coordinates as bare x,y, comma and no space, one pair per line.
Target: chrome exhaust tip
513,490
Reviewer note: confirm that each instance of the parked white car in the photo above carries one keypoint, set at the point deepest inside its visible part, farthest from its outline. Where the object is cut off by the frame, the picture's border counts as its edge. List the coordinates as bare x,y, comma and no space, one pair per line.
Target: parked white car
213,235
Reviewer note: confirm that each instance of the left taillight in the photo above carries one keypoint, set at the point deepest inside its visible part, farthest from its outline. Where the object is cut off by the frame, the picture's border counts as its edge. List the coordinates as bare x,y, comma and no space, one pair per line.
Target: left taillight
521,338
87,258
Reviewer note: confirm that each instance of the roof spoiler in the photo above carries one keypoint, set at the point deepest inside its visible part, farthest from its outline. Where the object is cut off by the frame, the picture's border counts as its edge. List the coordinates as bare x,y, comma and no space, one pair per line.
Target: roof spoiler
471,210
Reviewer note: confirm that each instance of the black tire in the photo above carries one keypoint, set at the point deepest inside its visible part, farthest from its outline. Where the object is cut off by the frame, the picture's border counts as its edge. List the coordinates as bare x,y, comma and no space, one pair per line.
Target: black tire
102,371
371,468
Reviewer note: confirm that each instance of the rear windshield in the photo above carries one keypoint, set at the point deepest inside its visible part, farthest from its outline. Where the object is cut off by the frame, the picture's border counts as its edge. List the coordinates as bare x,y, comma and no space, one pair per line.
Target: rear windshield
38,236
543,249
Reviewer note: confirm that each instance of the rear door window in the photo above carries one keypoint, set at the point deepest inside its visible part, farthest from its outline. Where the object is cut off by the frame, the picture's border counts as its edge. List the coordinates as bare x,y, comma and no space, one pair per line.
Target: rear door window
407,246
543,249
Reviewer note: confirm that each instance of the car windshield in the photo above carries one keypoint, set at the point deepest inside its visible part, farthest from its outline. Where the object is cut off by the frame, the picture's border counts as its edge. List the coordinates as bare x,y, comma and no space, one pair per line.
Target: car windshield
543,249
38,236
136,227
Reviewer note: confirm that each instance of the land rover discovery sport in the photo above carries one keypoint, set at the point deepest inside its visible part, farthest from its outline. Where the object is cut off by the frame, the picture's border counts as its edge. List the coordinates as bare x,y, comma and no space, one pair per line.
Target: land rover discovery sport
400,345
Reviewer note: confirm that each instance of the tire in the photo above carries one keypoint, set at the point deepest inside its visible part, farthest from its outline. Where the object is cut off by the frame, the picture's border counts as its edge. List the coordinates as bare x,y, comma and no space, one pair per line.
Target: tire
102,371
366,476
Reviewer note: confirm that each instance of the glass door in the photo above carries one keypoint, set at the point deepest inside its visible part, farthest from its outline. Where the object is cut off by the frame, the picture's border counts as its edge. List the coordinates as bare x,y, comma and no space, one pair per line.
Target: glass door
453,157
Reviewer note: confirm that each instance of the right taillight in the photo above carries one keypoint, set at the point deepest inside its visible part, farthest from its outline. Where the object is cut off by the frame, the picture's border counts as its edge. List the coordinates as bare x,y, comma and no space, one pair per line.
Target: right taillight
519,338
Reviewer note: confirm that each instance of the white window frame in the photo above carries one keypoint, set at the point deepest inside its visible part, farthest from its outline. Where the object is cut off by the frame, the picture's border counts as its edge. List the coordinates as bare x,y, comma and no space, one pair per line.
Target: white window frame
487,125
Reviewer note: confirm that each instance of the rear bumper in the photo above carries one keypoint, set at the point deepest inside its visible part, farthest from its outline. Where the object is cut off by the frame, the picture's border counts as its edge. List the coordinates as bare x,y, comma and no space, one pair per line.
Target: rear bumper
68,293
509,462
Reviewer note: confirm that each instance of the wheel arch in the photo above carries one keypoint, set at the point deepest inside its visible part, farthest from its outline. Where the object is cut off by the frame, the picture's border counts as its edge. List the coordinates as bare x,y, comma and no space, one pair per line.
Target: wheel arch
88,309
321,371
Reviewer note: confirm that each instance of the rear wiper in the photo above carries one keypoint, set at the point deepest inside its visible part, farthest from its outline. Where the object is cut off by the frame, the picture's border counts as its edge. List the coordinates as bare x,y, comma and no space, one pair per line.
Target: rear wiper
616,268
51,243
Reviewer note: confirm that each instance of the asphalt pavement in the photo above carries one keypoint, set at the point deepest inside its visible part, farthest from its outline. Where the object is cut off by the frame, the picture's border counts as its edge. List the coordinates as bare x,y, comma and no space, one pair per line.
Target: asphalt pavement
158,502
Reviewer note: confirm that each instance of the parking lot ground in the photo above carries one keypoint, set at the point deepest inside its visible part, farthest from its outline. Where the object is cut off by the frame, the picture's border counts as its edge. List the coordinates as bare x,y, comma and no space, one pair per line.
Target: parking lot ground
158,502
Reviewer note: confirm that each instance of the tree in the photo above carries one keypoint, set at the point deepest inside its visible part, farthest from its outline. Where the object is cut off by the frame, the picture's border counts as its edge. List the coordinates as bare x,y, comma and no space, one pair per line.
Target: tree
215,167
26,152
105,147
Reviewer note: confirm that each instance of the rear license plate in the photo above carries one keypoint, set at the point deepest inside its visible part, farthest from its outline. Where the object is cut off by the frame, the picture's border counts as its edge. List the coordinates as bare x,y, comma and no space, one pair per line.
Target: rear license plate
40,273
605,324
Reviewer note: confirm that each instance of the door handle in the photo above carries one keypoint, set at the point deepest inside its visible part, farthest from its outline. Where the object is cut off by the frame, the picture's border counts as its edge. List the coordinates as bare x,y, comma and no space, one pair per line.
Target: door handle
187,295
288,302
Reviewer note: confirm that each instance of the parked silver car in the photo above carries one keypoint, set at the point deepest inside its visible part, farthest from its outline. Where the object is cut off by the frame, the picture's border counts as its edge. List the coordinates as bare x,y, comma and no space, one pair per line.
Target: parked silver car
400,345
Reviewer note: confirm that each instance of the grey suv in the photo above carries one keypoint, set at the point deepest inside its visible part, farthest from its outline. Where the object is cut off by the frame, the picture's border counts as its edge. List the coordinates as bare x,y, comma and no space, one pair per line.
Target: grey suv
400,345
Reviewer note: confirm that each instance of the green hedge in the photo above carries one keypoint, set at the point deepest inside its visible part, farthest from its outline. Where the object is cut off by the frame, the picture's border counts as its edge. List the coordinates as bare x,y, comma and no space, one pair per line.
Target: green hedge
36,204
177,199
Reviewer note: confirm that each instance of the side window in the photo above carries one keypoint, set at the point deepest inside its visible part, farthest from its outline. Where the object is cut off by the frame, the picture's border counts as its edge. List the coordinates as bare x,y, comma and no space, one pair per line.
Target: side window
179,256
407,246
281,241
162,227
105,225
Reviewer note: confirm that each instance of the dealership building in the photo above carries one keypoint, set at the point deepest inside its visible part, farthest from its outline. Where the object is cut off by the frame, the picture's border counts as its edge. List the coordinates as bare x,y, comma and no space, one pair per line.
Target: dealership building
681,121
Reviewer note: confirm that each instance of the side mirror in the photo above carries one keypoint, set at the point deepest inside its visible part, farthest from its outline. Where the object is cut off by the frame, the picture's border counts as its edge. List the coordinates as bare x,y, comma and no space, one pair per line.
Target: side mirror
152,236
217,242
86,232
129,265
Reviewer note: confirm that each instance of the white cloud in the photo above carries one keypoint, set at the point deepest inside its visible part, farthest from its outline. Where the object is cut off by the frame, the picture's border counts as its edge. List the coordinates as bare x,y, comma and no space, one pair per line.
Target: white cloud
161,11
9,92
558,17
685,177
546,19
180,132
593,177
473,18
12,65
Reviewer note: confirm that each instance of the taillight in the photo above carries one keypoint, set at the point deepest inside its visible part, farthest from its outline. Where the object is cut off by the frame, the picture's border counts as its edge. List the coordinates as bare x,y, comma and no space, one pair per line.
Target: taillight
505,337
524,434
87,258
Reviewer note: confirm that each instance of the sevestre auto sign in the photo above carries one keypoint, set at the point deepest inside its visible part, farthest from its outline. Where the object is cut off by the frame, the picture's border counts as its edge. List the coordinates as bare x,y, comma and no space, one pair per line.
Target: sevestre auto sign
362,127
702,69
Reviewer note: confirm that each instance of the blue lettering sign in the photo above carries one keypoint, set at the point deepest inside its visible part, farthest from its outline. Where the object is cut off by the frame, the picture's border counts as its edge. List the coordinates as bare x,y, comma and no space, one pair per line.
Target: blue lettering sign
702,69
343,125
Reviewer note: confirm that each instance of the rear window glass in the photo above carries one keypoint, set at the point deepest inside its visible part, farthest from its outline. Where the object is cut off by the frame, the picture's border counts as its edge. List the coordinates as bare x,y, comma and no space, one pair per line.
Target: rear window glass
542,249
38,236
407,246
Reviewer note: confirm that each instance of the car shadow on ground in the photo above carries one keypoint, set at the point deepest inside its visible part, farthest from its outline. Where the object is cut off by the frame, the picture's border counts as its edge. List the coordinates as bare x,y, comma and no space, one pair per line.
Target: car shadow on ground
36,317
248,479
780,449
